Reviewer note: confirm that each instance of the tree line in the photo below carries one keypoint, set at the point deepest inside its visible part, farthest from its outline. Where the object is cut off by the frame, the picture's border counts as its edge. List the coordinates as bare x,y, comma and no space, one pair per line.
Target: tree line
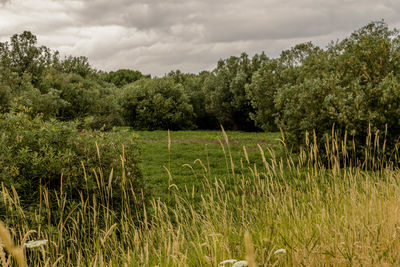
351,85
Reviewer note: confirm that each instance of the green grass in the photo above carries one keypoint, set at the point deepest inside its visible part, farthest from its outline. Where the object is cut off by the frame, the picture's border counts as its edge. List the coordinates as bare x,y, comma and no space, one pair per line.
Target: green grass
320,216
201,150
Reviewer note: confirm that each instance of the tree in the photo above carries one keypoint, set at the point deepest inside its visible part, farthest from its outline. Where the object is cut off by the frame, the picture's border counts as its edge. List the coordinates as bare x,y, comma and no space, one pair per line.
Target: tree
22,55
158,103
226,91
292,67
123,77
76,65
194,89
353,85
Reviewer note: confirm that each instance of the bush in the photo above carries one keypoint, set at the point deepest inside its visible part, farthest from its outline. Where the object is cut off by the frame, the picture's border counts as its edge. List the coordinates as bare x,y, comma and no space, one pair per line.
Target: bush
261,92
37,154
193,87
5,97
291,68
353,86
157,104
225,91
307,107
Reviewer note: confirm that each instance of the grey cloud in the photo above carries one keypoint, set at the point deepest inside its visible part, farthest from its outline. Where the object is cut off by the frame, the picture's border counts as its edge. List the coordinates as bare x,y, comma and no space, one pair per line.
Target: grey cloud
139,14
294,19
229,21
157,36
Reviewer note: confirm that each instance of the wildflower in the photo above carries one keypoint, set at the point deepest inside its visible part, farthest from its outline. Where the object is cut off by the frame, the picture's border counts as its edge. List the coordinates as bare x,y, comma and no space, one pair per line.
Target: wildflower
280,251
227,261
35,243
236,263
240,264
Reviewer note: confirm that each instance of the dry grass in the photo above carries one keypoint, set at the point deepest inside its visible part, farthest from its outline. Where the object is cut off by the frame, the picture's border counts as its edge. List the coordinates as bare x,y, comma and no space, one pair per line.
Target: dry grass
337,216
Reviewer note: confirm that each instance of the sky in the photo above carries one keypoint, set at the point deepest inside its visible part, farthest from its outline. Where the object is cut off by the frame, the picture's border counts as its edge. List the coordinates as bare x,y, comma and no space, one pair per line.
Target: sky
157,36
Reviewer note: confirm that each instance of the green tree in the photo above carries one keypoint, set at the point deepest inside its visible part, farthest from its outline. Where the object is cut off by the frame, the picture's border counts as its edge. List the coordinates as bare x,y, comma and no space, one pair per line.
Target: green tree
291,68
76,65
352,85
194,89
157,103
123,77
22,55
226,91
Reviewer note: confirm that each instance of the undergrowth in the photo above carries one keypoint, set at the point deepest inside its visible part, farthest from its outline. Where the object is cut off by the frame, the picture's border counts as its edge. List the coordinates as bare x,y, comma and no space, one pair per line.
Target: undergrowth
330,210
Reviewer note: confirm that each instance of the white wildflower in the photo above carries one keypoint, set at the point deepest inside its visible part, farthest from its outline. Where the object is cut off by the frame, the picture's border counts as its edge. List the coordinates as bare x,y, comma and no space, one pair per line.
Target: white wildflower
280,251
240,264
227,261
35,243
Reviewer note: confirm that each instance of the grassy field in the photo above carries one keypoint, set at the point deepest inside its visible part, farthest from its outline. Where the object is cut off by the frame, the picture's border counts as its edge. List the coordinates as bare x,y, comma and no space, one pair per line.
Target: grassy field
272,211
188,156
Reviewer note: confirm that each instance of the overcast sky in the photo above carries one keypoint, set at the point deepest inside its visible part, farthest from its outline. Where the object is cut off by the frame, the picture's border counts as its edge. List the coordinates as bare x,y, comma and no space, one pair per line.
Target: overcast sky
156,36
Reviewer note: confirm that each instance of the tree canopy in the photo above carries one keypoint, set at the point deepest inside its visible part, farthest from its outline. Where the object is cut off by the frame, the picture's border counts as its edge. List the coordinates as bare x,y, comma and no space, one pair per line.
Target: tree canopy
351,84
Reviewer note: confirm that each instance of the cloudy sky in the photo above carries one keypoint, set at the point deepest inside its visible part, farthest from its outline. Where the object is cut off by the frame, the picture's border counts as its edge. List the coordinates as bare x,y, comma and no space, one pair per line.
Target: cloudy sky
156,36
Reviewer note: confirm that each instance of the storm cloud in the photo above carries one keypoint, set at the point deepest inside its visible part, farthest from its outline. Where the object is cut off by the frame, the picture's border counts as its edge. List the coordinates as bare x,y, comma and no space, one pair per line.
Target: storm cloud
156,36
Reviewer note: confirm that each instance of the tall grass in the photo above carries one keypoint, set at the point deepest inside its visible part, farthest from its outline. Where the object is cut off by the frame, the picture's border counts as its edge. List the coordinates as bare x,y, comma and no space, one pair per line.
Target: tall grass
346,213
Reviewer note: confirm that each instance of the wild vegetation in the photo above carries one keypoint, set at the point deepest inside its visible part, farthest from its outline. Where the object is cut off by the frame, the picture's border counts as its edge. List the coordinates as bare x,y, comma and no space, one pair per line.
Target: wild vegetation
307,214
53,157
352,84
82,175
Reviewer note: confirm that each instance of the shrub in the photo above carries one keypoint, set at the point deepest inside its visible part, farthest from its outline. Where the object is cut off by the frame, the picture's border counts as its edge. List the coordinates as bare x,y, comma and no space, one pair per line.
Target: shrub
37,154
225,91
158,103
194,89
5,97
261,92
353,86
291,68
77,98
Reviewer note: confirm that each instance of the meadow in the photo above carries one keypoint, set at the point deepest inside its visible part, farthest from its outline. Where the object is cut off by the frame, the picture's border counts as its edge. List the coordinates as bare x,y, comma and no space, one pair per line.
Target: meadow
181,159
318,187
232,201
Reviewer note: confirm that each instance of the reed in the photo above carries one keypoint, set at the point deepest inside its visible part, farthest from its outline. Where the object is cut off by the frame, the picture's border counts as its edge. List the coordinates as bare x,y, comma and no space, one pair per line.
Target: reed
299,209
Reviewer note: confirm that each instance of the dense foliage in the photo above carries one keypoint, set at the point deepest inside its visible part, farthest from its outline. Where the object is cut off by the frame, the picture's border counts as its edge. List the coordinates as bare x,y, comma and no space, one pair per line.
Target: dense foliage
67,89
123,77
65,172
36,155
226,93
352,84
157,104
194,88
